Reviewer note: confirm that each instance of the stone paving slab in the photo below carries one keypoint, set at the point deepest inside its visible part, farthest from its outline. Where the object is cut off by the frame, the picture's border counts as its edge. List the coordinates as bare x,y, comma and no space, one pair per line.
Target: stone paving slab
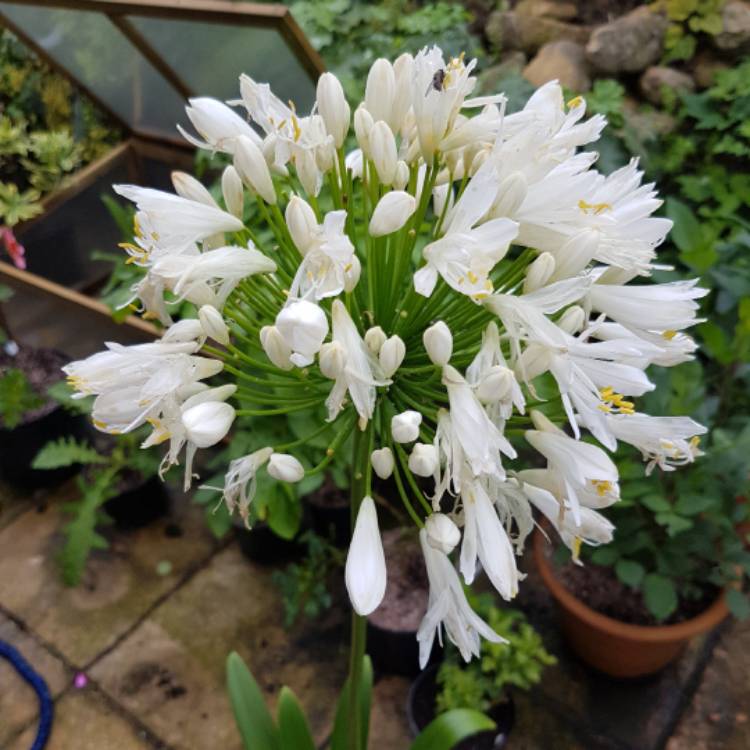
538,728
85,721
389,727
170,671
120,584
18,701
719,714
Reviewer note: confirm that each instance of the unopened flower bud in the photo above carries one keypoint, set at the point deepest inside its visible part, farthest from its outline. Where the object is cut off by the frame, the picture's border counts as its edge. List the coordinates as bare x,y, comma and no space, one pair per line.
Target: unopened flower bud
539,272
576,254
302,224
423,460
572,320
403,70
213,324
252,168
207,423
383,152
394,209
285,468
380,90
233,192
438,343
275,347
332,359
510,195
304,326
442,532
439,195
333,107
405,426
375,338
392,354
382,462
401,180
541,422
365,571
186,186
352,273
363,124
495,385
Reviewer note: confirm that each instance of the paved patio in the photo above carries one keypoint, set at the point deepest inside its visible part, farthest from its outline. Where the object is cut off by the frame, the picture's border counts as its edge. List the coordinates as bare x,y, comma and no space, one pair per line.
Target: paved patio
157,613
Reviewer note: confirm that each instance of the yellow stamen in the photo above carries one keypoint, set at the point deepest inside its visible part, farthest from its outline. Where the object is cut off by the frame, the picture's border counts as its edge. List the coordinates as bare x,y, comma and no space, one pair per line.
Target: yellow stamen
576,101
577,547
669,335
595,208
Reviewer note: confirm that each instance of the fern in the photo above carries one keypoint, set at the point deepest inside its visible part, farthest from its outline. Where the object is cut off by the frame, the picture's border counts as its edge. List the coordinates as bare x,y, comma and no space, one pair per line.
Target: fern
66,452
17,397
63,394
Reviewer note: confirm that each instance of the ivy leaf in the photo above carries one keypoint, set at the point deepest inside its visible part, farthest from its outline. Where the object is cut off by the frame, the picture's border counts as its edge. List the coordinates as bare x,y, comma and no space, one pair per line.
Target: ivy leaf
660,595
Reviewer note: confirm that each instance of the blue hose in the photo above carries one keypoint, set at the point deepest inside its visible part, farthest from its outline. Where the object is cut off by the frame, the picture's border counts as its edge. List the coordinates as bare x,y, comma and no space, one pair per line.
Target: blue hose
46,707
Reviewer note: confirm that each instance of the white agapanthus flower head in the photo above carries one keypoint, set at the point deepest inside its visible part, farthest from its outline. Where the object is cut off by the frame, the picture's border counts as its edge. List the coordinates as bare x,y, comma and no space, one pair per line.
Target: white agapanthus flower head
410,294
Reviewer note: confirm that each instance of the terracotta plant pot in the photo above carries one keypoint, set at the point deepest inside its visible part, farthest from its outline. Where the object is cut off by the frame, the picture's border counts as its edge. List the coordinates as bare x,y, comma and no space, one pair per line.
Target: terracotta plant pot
617,648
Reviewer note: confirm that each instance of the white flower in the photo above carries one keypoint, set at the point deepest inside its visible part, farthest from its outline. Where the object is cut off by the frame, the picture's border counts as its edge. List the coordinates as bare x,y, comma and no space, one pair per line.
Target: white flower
362,372
240,481
186,186
393,210
539,272
302,224
380,90
391,355
276,347
365,572
332,359
442,532
405,426
217,124
303,326
382,462
252,168
448,608
375,338
423,460
383,151
207,423
438,343
333,107
285,468
233,192
213,324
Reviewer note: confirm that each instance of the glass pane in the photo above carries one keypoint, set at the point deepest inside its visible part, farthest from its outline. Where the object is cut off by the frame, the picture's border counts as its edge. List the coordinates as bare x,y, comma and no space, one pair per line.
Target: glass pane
209,58
96,53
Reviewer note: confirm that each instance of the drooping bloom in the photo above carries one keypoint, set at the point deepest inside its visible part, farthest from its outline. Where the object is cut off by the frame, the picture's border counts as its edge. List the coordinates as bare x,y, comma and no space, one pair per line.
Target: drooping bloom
365,564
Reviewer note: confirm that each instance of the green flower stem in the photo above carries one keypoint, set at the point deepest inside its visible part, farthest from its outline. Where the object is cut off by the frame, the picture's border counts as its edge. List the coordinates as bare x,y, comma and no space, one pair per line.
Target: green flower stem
281,410
301,441
404,461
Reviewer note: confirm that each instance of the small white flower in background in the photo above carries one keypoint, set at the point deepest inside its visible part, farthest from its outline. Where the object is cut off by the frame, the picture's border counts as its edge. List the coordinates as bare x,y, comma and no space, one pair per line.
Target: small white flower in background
365,564
382,462
442,532
285,468
405,426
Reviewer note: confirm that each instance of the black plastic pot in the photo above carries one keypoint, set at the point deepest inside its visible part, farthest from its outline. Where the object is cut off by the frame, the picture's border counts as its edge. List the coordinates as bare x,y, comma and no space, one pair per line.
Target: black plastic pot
139,505
397,651
19,446
420,710
261,545
332,522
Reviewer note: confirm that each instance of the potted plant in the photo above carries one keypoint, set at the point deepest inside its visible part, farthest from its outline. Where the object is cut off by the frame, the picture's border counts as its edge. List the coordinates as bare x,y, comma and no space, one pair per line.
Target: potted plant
486,683
673,570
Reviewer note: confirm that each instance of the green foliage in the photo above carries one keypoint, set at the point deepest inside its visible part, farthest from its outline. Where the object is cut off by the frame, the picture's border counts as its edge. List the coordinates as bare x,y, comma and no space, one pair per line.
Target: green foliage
689,20
517,663
63,394
16,206
606,98
17,397
66,452
304,585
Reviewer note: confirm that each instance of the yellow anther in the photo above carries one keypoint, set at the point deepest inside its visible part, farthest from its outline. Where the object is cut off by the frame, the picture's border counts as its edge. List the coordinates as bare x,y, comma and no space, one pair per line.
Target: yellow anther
136,226
595,208
576,101
668,335
694,441
148,315
347,268
577,547
602,486
473,278
296,128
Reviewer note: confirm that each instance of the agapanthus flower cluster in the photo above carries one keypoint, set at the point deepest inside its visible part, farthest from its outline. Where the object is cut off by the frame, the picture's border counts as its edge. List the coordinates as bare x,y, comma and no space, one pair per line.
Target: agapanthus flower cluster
459,285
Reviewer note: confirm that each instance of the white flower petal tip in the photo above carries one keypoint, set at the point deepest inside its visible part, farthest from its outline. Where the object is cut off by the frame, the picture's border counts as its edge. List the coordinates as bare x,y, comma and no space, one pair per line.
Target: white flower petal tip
208,423
442,532
365,572
405,426
285,468
382,462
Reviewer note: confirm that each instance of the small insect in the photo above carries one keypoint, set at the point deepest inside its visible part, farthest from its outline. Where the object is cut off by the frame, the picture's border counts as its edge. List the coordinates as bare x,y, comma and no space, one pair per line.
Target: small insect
438,81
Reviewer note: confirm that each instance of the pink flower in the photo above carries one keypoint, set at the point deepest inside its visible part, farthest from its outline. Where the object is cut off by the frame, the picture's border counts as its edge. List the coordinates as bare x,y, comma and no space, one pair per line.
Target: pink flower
14,248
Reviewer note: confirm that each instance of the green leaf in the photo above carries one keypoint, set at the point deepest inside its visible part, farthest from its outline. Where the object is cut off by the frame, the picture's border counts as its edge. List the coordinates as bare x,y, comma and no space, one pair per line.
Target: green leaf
17,397
254,722
339,737
656,503
284,511
630,572
218,520
605,555
66,452
691,504
63,394
738,604
659,595
450,728
293,728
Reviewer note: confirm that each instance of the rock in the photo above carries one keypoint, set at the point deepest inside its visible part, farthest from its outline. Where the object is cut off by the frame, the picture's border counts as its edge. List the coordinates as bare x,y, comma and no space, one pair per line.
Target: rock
647,123
509,30
559,9
657,77
735,32
628,44
510,64
564,61
705,67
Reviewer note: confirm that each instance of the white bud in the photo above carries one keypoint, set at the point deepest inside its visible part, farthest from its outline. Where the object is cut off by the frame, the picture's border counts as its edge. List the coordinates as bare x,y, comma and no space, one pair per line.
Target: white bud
365,572
285,468
442,532
572,320
186,186
423,460
333,107
391,355
252,168
304,326
383,151
405,426
380,90
308,172
275,347
401,180
394,209
353,163
403,69
439,195
302,223
576,254
207,423
438,342
213,324
375,338
543,424
233,192
495,385
478,160
539,272
352,273
363,124
510,195
332,359
382,462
